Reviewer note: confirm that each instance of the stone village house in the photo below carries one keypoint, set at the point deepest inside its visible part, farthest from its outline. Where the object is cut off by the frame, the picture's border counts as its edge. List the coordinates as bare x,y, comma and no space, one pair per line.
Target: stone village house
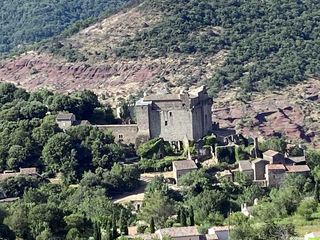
271,169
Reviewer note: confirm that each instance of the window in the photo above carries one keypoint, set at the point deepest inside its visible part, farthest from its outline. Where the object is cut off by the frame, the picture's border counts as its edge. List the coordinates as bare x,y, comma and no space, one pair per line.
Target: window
166,123
170,114
120,137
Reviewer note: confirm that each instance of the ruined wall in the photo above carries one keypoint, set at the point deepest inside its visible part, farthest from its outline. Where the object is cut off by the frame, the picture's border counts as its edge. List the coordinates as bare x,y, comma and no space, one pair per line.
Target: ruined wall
123,133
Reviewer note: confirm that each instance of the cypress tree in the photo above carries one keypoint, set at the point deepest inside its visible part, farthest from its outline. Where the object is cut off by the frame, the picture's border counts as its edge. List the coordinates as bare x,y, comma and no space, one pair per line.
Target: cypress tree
123,224
96,231
191,216
152,227
114,227
183,217
316,191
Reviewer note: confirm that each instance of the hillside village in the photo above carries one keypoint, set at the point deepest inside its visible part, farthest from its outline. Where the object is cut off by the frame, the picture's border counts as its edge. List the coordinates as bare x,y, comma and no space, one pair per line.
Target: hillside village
159,120
177,132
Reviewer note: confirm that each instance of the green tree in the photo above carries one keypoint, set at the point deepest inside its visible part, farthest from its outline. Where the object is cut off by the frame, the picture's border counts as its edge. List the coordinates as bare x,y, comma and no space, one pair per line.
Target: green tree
123,223
158,206
152,226
307,207
191,216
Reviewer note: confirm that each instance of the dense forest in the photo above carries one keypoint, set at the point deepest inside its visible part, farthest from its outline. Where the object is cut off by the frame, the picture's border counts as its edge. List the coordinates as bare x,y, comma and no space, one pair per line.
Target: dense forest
25,22
271,43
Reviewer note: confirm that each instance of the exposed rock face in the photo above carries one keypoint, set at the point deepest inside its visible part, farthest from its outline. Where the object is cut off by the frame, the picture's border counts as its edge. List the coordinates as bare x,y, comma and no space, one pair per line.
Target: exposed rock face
291,113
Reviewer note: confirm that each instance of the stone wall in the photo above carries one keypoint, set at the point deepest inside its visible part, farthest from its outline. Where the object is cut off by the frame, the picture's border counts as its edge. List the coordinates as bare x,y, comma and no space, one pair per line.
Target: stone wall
123,133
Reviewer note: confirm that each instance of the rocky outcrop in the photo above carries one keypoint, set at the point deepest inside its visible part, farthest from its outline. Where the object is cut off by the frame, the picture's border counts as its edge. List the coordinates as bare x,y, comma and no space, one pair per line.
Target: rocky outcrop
291,113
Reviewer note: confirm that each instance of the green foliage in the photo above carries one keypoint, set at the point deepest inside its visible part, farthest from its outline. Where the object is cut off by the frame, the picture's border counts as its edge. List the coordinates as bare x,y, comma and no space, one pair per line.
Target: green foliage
30,137
16,186
154,148
225,154
196,181
271,44
152,227
117,180
156,165
208,206
313,158
242,152
307,207
158,206
274,143
27,22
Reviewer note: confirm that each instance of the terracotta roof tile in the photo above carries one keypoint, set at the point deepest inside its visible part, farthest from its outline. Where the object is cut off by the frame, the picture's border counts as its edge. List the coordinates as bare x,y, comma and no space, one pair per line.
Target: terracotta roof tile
298,168
184,164
179,231
276,167
270,153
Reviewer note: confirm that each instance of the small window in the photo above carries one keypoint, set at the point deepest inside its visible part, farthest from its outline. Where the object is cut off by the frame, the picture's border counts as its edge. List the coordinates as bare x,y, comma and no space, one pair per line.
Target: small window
166,123
170,114
120,136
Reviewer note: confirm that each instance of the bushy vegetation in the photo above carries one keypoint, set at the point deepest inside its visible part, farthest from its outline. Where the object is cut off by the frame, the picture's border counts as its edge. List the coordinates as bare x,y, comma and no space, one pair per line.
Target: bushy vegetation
24,22
29,136
271,43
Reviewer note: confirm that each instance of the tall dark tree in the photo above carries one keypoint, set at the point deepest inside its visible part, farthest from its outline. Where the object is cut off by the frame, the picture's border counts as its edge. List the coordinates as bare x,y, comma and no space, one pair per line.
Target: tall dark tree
114,227
123,224
152,227
191,216
183,217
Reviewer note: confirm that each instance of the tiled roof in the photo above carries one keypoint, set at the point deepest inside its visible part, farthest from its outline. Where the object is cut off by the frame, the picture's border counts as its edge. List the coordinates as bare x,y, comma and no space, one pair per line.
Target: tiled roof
276,167
220,228
298,168
259,160
179,231
270,153
212,236
64,116
162,97
298,159
245,165
184,164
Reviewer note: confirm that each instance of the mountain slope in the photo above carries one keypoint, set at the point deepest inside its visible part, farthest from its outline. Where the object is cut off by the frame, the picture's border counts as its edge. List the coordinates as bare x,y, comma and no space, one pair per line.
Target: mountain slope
237,47
24,22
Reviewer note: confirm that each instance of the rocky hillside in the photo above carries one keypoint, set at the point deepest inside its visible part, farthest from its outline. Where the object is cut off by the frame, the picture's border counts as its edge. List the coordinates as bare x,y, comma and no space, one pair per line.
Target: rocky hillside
236,47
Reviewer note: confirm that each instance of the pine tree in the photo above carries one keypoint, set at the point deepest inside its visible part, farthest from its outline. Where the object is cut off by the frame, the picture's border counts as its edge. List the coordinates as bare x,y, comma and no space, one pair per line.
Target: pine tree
152,227
191,216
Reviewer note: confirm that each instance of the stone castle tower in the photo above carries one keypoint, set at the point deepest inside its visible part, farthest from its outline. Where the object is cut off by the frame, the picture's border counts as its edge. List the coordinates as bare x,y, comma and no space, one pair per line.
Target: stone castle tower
175,117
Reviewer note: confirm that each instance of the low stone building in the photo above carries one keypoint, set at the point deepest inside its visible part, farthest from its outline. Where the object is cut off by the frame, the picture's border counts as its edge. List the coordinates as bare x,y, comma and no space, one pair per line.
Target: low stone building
271,170
275,174
126,133
65,120
181,168
187,233
179,233
273,157
23,171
